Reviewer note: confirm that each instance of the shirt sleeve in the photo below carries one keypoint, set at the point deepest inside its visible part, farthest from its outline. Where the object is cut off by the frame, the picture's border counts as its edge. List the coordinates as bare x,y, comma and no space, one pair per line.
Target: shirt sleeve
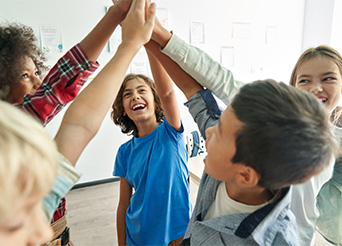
67,176
60,85
172,132
203,68
204,109
119,170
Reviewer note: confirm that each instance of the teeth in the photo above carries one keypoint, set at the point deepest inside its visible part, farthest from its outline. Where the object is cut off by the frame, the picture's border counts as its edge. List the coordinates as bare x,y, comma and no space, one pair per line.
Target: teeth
137,106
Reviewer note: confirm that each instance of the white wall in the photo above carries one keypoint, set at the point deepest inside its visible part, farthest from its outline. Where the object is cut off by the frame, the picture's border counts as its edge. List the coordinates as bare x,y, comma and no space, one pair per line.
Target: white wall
77,17
318,23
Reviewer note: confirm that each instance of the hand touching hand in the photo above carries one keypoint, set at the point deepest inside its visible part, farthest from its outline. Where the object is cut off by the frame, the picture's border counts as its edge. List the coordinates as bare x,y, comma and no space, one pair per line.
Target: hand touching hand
136,28
122,6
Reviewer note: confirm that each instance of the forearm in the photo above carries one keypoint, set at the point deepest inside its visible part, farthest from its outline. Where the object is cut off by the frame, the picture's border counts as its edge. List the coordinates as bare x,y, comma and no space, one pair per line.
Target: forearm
85,115
56,90
204,110
183,80
202,68
95,41
121,225
165,90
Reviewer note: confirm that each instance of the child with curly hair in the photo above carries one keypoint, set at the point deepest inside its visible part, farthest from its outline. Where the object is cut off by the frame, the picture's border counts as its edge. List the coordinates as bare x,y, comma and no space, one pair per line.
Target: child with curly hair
28,156
22,68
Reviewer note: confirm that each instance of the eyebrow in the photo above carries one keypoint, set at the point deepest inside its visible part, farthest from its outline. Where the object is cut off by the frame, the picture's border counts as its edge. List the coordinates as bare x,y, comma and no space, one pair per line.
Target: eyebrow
324,74
138,87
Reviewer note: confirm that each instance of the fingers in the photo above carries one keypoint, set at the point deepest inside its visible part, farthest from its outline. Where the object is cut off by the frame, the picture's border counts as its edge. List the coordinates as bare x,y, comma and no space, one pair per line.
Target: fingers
137,4
151,15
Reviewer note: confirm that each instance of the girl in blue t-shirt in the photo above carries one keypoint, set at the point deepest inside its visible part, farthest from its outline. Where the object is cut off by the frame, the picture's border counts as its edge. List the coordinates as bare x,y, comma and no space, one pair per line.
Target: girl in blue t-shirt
153,162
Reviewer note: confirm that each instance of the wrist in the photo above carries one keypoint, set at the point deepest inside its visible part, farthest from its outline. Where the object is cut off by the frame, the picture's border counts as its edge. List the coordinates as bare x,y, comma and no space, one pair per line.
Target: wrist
117,12
162,37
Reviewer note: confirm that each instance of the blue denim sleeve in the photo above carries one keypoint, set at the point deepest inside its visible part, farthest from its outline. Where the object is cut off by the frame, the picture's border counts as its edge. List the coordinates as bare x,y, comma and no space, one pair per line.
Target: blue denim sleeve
204,109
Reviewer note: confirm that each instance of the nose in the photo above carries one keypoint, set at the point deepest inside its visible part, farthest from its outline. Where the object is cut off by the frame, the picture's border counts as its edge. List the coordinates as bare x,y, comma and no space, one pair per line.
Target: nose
135,96
41,232
36,83
316,87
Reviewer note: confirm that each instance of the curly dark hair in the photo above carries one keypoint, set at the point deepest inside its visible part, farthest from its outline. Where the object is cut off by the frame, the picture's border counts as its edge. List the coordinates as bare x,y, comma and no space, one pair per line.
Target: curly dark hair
16,42
127,125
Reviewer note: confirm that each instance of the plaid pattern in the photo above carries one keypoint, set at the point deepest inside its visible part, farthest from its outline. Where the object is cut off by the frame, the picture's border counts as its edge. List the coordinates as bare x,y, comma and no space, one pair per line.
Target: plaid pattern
60,86
60,211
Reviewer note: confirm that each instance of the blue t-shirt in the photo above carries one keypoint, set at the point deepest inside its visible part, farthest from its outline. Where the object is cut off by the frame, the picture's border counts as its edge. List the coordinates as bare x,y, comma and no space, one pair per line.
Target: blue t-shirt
155,166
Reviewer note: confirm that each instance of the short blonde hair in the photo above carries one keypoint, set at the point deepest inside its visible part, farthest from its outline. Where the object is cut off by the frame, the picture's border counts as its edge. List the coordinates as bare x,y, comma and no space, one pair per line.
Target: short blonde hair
28,158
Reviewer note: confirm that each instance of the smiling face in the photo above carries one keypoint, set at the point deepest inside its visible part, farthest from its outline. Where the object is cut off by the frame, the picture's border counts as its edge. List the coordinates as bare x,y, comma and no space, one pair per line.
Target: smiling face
28,81
221,148
321,76
25,225
138,101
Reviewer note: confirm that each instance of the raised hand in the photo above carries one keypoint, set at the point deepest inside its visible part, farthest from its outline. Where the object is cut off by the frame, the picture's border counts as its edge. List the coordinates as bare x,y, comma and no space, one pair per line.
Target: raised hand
138,25
122,6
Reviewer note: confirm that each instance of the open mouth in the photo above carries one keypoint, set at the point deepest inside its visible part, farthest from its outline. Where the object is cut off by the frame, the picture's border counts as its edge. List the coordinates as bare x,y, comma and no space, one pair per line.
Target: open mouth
139,106
323,99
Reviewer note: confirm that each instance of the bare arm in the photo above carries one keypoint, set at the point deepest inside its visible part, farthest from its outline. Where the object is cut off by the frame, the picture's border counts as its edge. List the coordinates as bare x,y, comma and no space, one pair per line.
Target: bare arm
183,80
124,201
166,92
85,115
94,42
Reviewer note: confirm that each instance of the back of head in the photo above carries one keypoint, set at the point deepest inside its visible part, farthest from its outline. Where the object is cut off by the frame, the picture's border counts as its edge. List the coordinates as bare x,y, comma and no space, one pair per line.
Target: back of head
286,137
28,158
16,42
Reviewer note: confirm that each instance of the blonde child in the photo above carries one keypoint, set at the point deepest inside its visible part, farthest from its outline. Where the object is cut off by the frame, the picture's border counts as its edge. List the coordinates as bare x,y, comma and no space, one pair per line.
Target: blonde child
85,115
28,167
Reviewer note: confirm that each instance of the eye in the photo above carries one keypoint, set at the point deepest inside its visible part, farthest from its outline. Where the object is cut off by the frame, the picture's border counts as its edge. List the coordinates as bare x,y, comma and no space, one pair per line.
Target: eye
142,90
127,94
14,228
329,79
303,81
24,76
37,73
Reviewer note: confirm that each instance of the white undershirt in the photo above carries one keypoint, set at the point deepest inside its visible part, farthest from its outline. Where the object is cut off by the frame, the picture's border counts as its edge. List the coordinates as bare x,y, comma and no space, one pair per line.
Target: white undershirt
224,205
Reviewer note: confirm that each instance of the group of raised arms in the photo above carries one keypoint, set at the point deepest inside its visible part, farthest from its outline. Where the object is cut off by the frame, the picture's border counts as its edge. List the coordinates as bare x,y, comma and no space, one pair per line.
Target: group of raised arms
273,173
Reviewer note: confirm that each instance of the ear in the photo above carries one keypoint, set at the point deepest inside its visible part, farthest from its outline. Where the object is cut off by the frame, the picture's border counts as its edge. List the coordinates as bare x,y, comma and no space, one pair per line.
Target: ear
124,113
247,176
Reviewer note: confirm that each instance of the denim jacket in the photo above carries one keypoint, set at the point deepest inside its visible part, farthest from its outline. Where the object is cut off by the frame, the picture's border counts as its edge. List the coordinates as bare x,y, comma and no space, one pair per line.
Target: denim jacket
273,224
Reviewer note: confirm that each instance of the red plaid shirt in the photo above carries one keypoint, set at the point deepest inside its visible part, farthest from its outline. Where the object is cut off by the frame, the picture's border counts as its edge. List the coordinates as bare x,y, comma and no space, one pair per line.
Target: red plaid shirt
55,92
60,86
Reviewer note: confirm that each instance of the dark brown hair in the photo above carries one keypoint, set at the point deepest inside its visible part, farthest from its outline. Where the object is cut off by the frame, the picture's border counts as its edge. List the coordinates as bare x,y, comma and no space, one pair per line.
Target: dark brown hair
16,42
279,137
127,125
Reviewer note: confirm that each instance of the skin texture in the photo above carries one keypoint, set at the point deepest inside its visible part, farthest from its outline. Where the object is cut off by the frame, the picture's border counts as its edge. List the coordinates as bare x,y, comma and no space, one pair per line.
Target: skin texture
138,103
321,77
25,225
28,81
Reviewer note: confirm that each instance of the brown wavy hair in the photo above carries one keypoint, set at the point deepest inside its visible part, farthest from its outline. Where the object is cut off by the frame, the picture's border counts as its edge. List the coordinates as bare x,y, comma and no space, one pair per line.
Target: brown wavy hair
16,42
127,125
325,51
